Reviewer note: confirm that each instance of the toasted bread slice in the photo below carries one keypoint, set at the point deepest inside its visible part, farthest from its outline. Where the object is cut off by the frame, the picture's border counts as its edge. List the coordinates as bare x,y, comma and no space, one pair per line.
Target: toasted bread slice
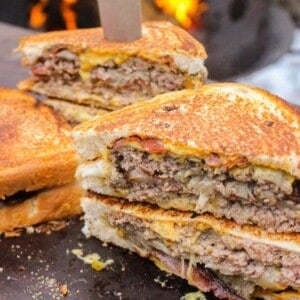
237,122
158,40
48,205
35,144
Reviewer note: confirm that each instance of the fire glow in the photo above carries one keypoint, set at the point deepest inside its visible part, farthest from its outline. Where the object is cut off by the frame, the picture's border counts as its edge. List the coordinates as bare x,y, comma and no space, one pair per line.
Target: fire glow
38,17
186,12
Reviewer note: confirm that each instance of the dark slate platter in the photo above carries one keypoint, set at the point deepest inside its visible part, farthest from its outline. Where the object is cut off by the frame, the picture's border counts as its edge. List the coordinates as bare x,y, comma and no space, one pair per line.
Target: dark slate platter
33,266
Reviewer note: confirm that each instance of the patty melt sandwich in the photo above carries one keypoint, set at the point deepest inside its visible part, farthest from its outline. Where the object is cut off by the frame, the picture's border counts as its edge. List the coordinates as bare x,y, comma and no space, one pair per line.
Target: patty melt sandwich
227,149
37,163
215,255
82,66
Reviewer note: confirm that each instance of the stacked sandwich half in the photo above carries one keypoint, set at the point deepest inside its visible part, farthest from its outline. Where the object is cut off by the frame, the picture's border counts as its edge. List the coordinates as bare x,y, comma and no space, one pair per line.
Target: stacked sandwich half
83,68
205,183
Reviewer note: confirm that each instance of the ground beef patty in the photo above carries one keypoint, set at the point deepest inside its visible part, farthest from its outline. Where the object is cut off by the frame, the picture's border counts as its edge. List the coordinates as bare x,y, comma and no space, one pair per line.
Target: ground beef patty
224,253
191,184
133,77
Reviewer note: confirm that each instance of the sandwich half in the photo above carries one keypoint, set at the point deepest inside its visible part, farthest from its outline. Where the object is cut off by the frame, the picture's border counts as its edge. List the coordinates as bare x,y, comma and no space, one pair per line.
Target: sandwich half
219,256
82,66
227,149
37,163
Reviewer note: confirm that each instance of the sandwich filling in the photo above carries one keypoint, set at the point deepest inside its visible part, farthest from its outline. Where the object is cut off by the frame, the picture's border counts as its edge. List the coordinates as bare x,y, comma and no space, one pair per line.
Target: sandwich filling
113,77
175,239
246,193
265,265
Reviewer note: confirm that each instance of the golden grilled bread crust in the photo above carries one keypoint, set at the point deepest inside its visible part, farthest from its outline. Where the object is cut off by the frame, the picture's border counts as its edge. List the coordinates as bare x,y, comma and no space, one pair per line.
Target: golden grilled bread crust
235,121
53,204
36,149
172,218
155,37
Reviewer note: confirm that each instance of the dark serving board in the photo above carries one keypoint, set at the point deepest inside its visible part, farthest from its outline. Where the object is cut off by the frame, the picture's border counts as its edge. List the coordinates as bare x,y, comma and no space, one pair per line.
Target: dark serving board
33,266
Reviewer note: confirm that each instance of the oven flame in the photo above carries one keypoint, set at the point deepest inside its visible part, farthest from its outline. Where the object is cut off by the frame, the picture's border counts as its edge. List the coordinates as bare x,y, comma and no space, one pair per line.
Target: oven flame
186,12
69,14
38,16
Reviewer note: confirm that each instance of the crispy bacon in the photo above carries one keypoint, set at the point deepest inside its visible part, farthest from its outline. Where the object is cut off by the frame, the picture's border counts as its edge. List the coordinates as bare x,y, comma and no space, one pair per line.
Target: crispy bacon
197,275
55,49
149,145
213,160
39,70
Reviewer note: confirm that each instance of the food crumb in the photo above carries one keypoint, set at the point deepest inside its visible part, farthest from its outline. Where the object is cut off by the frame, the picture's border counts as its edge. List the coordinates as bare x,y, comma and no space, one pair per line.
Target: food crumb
15,233
159,281
98,265
47,228
118,294
63,288
21,268
193,296
92,259
77,252
30,230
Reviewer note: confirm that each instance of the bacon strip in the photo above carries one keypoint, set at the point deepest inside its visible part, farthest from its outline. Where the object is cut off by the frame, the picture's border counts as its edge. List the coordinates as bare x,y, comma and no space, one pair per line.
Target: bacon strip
199,276
149,145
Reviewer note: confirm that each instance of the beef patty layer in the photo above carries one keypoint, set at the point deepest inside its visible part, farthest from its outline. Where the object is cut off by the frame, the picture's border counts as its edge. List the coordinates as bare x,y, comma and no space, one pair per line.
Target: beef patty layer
263,260
254,261
124,77
248,195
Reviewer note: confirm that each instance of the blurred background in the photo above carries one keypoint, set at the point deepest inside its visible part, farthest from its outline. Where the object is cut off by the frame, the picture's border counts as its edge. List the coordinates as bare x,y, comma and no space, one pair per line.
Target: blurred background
250,41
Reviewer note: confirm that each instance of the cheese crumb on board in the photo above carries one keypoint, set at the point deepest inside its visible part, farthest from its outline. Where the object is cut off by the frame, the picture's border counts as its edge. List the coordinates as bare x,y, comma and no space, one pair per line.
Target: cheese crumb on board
92,259
63,288
193,296
162,283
